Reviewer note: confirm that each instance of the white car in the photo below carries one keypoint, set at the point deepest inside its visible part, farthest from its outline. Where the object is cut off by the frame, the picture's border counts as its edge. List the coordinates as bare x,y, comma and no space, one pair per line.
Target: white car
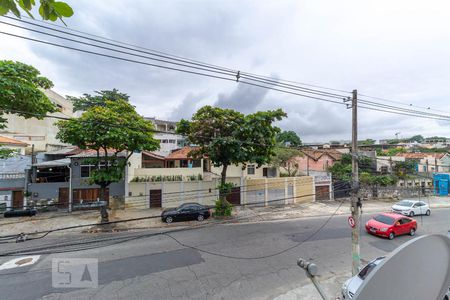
411,208
350,287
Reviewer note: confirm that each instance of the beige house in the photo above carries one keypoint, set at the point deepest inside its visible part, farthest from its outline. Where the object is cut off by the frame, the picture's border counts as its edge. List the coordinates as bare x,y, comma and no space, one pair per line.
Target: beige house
16,145
157,181
40,133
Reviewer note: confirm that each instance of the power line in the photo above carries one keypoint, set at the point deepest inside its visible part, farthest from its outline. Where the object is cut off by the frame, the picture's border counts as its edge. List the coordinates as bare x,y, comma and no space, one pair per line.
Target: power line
46,232
262,79
402,103
171,56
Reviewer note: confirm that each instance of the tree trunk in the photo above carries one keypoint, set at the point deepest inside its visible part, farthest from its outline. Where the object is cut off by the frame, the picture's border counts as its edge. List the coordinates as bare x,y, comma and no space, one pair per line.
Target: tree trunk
222,194
103,210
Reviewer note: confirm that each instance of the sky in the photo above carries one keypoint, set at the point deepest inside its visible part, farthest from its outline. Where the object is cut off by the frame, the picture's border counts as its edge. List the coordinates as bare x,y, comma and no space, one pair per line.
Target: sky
391,49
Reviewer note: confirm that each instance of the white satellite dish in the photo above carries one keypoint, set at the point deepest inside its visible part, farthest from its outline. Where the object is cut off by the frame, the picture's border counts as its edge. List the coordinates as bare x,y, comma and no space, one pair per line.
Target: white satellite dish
419,269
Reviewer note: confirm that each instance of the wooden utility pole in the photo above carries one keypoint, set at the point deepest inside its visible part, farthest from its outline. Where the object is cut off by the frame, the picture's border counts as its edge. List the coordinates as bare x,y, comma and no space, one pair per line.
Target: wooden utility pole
355,203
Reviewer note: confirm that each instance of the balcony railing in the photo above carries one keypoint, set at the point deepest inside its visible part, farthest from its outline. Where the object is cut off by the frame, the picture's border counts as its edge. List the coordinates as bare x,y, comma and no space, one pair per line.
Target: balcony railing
10,176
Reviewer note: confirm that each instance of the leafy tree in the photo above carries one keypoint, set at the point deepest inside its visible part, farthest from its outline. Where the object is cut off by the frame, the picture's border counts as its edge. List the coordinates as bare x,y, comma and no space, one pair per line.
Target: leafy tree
20,91
403,169
391,151
342,170
377,180
48,9
289,137
417,138
88,101
367,142
228,137
284,158
109,130
7,153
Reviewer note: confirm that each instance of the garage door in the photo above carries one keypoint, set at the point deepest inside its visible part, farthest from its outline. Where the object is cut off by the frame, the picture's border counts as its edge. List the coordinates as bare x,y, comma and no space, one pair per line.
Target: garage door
323,192
155,198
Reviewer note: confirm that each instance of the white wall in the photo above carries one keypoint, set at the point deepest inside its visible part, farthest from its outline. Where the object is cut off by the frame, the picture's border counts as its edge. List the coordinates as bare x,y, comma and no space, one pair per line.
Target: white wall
41,133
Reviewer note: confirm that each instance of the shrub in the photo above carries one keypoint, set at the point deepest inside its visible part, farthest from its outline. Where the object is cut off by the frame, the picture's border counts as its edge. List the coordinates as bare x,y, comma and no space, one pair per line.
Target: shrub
223,208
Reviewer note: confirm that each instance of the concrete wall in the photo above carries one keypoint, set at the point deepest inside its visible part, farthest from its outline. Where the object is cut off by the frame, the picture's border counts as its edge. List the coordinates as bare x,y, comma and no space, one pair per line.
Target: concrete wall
166,172
278,191
46,191
387,161
41,133
322,164
12,184
236,171
173,193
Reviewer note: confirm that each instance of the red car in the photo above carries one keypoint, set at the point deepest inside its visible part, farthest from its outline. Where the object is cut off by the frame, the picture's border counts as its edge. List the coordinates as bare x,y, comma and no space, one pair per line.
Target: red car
391,225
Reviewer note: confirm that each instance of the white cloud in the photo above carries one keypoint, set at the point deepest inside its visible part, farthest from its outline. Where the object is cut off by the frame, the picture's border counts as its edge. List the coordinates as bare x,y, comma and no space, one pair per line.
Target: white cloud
397,50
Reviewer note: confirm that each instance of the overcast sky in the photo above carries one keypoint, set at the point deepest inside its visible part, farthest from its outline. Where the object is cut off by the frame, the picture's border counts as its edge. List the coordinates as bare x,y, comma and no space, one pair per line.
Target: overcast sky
393,49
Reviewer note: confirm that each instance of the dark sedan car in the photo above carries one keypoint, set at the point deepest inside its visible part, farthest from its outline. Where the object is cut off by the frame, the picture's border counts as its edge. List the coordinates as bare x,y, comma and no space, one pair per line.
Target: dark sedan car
186,212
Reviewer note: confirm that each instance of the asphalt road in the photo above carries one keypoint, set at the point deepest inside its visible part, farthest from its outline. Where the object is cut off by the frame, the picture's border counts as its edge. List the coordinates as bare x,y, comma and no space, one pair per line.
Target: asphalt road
233,261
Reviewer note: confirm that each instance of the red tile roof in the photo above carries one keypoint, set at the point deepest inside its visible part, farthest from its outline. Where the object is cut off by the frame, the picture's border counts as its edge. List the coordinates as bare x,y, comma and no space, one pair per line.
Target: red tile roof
12,142
421,155
317,154
181,153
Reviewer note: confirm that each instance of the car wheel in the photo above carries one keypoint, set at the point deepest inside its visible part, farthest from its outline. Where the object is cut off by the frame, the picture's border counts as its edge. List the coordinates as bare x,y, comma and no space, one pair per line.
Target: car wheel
411,214
428,212
412,232
391,236
200,218
446,297
169,220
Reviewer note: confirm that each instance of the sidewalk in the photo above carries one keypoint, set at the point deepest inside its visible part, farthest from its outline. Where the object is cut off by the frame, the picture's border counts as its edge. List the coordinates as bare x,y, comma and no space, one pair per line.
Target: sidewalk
327,208
55,220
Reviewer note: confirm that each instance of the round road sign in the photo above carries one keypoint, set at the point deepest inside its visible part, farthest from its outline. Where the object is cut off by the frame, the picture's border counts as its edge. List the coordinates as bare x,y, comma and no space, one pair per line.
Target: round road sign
351,222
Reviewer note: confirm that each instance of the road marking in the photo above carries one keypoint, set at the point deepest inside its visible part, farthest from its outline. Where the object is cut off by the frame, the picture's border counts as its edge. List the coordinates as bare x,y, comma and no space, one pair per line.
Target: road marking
20,262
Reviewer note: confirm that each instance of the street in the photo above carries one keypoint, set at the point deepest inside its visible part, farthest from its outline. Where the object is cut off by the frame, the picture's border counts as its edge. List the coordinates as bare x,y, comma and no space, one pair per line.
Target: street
229,261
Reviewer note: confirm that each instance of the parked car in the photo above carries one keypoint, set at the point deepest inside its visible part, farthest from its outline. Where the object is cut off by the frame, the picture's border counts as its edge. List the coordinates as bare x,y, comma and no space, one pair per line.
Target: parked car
411,208
186,212
350,286
391,225
29,212
447,296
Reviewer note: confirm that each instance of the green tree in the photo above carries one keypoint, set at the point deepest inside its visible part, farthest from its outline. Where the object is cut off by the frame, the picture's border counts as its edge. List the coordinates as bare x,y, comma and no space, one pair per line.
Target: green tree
228,137
342,170
48,9
87,101
367,142
284,158
391,151
403,169
417,138
289,137
7,153
21,91
111,130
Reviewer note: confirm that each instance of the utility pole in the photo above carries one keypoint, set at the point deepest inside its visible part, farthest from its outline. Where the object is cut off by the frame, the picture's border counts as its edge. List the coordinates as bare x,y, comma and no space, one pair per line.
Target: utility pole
355,202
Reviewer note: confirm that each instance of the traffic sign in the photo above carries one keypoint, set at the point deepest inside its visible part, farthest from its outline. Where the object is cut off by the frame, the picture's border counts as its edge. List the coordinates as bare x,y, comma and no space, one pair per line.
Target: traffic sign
351,222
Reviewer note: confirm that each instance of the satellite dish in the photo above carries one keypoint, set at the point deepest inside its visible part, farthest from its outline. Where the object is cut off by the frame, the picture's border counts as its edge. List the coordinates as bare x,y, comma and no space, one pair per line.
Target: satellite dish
419,269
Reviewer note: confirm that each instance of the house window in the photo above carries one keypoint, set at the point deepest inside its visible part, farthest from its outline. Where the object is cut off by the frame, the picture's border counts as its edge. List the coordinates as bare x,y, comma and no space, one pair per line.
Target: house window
183,163
172,141
85,171
384,169
424,168
251,170
265,172
196,163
